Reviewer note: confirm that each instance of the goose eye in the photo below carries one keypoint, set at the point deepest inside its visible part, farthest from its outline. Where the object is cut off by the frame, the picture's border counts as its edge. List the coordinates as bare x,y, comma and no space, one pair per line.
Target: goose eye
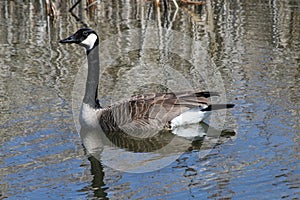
85,33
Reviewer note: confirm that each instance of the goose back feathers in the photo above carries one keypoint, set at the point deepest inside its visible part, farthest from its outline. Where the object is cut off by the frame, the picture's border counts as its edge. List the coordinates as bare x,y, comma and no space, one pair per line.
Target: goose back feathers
153,111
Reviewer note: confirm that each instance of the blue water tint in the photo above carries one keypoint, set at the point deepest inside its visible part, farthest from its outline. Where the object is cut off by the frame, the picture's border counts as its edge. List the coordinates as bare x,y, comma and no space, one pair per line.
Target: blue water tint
254,46
42,158
58,181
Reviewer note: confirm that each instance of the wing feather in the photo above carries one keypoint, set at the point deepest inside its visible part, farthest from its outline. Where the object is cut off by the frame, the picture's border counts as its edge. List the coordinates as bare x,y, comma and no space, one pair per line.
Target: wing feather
150,111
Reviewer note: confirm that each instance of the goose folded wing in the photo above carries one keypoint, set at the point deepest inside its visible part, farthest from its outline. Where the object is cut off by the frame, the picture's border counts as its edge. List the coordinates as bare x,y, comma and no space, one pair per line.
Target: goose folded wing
151,111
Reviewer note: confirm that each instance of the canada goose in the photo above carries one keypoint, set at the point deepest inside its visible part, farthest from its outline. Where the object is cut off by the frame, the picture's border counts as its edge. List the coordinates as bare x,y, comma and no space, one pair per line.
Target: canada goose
155,111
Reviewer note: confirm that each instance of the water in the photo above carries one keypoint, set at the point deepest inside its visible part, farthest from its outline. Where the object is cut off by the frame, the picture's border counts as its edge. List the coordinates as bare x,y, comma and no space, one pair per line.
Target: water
251,49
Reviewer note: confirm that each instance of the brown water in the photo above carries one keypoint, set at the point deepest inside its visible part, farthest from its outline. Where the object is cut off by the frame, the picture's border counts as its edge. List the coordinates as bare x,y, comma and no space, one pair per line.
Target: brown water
247,50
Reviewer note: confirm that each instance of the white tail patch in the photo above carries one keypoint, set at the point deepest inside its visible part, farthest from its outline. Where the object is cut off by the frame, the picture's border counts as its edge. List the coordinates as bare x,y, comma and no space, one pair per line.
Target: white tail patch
192,116
89,42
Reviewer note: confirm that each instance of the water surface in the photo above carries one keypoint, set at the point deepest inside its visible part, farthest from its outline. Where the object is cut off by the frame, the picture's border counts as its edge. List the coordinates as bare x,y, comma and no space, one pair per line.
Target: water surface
251,47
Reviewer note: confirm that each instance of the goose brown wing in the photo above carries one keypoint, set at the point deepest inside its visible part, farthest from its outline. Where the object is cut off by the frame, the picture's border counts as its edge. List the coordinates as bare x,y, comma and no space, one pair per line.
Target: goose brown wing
150,111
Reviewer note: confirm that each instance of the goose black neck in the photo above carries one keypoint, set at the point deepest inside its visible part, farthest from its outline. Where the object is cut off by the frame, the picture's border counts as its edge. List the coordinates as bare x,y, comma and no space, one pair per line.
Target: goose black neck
91,88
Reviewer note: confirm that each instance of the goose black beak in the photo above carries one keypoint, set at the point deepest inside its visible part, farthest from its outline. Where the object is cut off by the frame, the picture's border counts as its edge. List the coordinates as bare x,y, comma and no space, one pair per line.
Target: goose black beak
70,39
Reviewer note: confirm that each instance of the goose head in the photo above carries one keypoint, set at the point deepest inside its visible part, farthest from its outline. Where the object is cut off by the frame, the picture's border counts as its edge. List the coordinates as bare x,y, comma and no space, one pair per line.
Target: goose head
85,37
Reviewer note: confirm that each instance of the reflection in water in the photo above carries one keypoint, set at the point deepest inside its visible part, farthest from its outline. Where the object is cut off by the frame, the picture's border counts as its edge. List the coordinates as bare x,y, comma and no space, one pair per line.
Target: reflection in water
125,152
98,178
141,155
253,44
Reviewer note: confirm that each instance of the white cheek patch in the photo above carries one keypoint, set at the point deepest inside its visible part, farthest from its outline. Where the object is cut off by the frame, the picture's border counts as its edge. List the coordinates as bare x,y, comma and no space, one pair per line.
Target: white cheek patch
89,41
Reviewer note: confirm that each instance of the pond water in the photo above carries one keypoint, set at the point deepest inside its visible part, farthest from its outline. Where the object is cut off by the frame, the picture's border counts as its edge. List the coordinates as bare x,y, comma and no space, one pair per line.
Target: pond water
249,51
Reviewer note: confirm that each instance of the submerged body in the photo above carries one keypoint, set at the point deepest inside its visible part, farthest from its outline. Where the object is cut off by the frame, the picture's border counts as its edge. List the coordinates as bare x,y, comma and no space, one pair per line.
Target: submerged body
88,117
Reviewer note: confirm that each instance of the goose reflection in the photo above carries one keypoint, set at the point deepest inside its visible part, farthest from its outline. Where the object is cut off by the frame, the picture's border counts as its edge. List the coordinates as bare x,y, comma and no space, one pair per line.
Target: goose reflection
146,154
125,152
